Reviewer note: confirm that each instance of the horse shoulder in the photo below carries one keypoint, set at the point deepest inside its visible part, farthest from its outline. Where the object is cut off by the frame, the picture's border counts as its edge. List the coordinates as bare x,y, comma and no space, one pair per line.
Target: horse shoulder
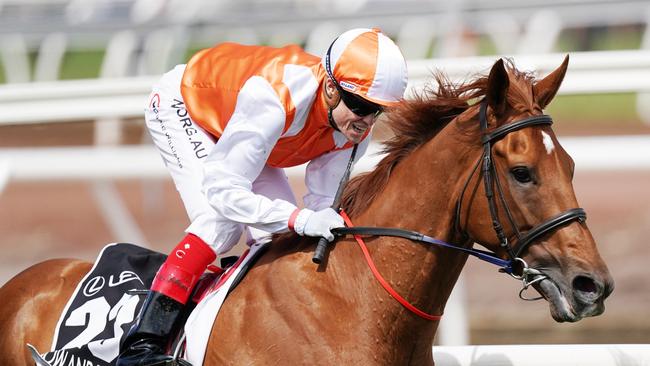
259,314
286,311
32,302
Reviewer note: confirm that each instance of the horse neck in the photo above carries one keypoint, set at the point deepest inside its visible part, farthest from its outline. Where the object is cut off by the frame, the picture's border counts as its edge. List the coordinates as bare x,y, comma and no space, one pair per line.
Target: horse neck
423,189
420,195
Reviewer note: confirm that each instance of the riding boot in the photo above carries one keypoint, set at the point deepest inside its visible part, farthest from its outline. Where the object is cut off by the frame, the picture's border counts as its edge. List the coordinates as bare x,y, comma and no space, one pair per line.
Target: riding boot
147,342
162,313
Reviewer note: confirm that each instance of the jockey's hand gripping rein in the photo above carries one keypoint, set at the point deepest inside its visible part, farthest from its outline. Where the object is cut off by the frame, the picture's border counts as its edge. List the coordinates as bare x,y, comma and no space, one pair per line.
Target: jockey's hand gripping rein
321,248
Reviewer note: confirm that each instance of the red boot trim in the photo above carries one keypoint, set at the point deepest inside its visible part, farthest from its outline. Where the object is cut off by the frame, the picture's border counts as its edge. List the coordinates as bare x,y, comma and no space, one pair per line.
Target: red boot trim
180,272
172,281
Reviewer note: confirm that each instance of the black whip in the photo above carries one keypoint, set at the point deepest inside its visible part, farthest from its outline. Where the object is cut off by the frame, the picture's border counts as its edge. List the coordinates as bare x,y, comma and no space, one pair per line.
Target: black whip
321,248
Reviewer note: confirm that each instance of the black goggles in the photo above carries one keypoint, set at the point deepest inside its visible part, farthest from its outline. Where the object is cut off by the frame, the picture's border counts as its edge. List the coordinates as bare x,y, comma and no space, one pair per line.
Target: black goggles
358,105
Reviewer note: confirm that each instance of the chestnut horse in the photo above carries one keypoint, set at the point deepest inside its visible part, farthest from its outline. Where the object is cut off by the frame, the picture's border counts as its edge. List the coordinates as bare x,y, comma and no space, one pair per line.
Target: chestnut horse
453,147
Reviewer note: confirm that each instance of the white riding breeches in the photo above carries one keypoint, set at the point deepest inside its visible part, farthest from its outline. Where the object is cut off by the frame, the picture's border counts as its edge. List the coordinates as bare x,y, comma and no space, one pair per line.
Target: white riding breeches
184,147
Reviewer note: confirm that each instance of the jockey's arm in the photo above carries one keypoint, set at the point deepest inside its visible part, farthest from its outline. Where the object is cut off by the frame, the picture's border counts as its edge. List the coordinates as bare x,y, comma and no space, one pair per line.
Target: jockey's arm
240,155
323,175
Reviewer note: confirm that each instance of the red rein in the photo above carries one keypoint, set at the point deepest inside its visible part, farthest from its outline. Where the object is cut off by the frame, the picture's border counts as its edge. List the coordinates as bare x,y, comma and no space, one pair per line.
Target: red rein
381,279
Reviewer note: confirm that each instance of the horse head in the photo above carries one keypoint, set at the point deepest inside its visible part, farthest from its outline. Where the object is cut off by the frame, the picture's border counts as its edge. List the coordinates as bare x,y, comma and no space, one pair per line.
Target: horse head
478,162
530,181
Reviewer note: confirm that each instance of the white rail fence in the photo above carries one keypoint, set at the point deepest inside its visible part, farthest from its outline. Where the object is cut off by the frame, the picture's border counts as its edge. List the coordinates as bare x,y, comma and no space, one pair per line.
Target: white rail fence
589,72
143,161
544,355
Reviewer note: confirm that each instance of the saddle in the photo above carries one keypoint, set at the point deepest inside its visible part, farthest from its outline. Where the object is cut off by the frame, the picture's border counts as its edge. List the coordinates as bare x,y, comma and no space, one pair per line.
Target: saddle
108,299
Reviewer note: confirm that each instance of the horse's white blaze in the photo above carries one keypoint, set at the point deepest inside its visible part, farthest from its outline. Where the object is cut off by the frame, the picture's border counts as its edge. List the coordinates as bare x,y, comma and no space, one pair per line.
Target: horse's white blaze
548,142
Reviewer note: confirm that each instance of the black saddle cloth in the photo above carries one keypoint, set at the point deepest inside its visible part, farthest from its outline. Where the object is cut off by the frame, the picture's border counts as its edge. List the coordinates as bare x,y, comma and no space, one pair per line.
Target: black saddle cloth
104,306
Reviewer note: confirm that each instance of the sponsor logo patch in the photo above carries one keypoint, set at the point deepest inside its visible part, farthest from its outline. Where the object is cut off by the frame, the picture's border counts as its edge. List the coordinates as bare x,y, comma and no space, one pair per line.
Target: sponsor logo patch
351,87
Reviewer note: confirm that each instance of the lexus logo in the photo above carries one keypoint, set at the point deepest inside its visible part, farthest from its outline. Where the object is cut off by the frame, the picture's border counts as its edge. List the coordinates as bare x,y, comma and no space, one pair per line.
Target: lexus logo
94,286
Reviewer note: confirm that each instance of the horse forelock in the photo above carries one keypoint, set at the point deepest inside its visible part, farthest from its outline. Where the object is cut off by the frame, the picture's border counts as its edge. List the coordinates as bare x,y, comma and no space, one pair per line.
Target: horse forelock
420,119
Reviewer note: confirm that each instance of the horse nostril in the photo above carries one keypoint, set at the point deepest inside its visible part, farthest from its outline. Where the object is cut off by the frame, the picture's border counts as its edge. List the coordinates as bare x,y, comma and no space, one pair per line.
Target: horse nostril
589,289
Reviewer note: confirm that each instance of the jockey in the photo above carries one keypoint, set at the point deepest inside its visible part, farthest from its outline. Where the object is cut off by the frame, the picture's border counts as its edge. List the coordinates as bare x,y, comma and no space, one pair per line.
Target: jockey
226,125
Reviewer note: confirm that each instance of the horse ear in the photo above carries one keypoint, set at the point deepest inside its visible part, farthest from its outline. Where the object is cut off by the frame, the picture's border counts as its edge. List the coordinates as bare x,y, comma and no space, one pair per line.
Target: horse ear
545,89
497,88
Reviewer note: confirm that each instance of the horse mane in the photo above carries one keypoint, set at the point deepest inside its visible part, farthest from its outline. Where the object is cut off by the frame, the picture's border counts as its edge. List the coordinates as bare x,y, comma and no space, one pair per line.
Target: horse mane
416,121
420,119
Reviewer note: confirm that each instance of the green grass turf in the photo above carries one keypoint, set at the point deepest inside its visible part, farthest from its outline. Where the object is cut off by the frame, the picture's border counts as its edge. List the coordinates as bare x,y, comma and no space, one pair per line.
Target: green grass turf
597,108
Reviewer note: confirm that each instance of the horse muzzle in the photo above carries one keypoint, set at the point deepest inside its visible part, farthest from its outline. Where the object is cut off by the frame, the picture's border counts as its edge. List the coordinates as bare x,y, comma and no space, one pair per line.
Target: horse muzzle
574,297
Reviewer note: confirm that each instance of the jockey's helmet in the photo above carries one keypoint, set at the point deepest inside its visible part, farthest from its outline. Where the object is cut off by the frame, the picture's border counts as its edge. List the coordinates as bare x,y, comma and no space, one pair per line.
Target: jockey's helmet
367,63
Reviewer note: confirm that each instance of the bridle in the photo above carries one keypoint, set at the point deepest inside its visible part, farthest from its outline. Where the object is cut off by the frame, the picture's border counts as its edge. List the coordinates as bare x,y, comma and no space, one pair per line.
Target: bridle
527,275
491,179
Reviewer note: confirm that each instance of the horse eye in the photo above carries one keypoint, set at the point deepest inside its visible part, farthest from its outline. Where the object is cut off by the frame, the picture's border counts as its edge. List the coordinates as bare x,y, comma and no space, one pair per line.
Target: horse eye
521,174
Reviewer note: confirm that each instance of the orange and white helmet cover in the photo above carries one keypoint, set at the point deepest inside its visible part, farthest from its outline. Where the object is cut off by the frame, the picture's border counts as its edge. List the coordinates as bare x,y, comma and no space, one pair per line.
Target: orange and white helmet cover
367,63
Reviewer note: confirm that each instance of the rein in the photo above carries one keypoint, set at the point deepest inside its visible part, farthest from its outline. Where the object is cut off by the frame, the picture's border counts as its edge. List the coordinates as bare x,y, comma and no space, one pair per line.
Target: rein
351,230
527,275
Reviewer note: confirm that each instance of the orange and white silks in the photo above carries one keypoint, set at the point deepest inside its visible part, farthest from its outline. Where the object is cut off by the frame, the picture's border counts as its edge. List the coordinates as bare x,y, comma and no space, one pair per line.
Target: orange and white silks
266,109
212,85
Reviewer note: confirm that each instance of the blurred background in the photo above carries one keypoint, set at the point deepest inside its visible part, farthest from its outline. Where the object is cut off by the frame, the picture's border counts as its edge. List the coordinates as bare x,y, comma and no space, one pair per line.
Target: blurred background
78,171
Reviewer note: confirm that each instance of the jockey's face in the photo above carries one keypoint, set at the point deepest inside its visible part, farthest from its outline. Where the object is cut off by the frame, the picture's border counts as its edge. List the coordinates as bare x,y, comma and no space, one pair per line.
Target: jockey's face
350,124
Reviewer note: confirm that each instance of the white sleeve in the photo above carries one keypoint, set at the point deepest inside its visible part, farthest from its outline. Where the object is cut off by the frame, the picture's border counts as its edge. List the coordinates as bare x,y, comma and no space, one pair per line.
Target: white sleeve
324,173
240,155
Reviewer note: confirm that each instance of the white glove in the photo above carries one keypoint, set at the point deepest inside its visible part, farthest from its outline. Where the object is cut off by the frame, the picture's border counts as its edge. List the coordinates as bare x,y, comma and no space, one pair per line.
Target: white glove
319,223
